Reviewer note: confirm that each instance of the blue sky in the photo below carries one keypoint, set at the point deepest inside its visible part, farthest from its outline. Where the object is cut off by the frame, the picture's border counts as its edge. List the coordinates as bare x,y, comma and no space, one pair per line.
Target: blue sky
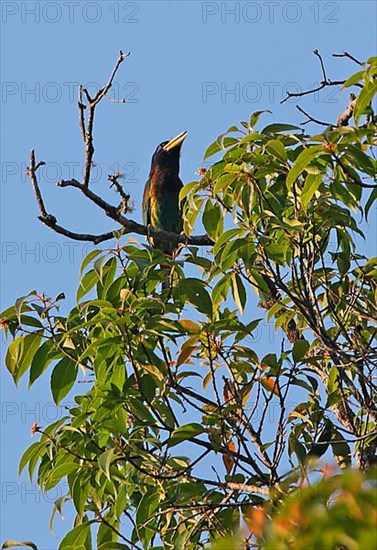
197,66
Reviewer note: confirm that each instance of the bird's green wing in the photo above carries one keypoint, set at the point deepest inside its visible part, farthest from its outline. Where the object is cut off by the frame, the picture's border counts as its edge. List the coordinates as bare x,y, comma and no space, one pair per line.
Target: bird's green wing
146,204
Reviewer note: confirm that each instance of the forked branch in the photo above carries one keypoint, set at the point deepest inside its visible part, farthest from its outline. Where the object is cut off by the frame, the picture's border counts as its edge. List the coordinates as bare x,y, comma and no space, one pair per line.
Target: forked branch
344,117
117,213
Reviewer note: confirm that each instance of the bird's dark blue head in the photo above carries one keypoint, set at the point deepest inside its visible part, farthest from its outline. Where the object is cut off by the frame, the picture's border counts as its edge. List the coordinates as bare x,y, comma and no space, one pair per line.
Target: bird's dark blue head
166,156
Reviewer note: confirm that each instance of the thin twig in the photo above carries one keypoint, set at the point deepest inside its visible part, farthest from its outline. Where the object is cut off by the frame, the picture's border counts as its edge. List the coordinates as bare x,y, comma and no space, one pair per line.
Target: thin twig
115,183
110,526
311,119
321,86
346,54
82,108
32,173
325,82
316,52
102,93
92,103
50,222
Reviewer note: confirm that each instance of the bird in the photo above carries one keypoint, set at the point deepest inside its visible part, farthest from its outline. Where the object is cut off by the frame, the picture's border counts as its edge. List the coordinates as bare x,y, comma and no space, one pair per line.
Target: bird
161,208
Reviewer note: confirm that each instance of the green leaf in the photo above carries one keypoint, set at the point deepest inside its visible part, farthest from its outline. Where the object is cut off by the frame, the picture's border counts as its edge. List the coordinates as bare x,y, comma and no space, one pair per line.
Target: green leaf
153,370
21,306
184,433
359,160
225,141
76,537
212,150
184,354
255,117
364,99
59,472
141,412
223,183
249,138
79,492
238,291
87,283
230,253
277,149
225,238
304,158
86,261
372,198
20,354
30,321
299,350
312,183
33,450
278,252
58,507
295,446
147,506
212,218
105,533
354,79
14,353
341,450
62,378
275,128
40,361
196,293
31,344
232,129
186,189
104,461
333,380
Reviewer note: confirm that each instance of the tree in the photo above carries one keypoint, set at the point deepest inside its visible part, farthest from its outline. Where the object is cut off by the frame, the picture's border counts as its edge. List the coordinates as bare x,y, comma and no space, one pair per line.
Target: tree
173,444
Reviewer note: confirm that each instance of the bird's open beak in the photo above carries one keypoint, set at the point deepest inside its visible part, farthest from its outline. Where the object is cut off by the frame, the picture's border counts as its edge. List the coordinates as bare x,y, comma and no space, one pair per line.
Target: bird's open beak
176,141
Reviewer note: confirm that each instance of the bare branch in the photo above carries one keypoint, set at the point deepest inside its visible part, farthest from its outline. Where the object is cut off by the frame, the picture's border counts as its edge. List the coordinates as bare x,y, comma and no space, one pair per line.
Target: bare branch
82,108
316,52
127,226
307,92
32,173
325,82
346,54
102,93
311,119
130,226
114,212
92,103
50,221
342,119
126,204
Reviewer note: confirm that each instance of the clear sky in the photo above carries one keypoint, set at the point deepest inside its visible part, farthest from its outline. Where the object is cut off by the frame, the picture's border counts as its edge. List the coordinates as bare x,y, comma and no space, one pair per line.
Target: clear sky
197,66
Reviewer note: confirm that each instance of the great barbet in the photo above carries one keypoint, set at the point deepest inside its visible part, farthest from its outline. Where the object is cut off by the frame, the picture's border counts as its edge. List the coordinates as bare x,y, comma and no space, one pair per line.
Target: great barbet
161,209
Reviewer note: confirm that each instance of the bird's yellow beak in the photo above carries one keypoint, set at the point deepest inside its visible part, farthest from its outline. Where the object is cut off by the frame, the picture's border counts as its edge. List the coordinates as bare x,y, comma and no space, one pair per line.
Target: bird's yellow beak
176,141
